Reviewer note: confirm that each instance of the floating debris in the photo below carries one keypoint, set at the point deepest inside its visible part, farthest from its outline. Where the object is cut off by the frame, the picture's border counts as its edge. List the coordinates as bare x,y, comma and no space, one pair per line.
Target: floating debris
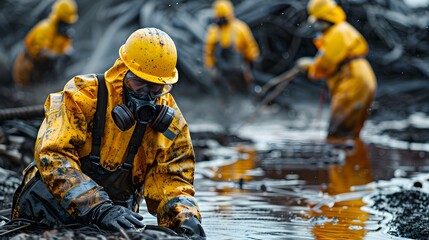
322,220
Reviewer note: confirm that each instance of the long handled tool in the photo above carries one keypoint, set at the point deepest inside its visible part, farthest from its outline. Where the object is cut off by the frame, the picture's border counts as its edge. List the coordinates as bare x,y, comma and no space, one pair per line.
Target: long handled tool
276,80
321,104
281,81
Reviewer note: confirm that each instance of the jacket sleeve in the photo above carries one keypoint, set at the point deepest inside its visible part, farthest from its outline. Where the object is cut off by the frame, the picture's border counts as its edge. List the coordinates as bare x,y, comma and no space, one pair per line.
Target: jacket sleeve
248,45
168,188
330,55
67,115
209,47
38,39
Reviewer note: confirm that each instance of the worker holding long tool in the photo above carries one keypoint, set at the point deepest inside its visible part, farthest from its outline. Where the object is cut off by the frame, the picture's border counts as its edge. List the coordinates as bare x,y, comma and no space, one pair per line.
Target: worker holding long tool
46,46
340,60
109,140
230,50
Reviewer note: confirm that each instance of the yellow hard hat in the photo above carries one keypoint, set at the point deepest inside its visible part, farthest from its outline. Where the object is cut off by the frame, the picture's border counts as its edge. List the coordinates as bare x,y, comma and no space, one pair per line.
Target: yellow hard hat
66,11
327,10
151,55
223,8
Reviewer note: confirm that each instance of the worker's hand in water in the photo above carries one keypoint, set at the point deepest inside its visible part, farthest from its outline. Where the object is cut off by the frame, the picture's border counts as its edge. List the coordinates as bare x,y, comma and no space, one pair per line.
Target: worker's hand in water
304,63
115,217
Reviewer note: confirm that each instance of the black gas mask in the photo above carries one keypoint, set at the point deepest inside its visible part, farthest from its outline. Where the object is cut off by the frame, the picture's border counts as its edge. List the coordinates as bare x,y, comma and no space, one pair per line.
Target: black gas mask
220,21
66,30
321,25
140,105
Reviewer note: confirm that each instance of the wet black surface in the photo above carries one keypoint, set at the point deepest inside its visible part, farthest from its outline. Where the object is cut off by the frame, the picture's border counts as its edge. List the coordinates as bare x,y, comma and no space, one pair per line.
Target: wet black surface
33,231
317,199
9,182
409,210
268,186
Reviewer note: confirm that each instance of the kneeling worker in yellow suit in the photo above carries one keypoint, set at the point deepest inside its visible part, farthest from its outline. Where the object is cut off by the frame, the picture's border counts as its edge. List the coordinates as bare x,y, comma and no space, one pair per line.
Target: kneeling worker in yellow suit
109,140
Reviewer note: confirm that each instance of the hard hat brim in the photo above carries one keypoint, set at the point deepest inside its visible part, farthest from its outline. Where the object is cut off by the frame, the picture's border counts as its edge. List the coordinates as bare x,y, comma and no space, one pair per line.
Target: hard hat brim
148,77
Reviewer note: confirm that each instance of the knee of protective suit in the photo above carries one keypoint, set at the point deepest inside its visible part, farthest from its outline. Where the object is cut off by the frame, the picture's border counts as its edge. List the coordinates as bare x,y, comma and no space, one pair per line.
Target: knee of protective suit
36,203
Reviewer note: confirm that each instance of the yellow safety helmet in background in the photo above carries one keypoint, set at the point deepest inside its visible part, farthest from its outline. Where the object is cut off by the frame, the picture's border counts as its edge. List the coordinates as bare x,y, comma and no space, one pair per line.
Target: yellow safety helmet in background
326,10
223,8
66,11
151,55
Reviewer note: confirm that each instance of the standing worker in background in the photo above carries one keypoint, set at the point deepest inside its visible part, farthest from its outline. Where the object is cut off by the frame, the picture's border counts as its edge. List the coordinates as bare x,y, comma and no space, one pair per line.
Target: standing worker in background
46,45
340,59
109,140
230,50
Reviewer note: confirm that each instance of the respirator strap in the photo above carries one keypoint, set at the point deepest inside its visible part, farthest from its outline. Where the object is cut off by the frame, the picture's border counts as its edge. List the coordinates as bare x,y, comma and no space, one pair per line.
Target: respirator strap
98,128
99,118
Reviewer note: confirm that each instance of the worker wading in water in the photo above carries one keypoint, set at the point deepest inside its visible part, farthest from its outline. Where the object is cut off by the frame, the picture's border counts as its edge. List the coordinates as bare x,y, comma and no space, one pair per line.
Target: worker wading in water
109,140
229,52
46,46
340,60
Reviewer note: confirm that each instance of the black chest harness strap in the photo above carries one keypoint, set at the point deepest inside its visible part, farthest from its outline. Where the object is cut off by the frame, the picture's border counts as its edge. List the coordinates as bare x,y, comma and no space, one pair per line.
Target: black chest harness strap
99,118
98,128
117,183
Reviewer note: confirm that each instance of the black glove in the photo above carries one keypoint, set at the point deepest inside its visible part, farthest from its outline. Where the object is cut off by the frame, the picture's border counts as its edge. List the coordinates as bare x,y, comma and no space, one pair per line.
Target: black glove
192,228
114,217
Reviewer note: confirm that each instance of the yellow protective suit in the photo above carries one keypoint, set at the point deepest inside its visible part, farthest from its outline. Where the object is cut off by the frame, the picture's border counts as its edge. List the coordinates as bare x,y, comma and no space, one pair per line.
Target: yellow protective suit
165,167
350,78
235,33
42,45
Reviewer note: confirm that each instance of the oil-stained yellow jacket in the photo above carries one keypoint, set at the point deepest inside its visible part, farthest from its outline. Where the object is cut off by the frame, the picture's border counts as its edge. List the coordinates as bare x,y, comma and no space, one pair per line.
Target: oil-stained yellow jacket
165,167
236,33
350,78
40,44
45,38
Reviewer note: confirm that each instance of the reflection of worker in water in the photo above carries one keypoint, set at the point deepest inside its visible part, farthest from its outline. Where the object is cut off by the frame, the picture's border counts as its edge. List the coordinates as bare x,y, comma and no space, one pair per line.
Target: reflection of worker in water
238,170
356,171
230,50
340,59
46,46
108,140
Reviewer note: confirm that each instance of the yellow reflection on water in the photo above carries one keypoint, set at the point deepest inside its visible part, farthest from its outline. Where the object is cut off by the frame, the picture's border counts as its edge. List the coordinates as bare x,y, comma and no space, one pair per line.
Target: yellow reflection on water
238,170
356,170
